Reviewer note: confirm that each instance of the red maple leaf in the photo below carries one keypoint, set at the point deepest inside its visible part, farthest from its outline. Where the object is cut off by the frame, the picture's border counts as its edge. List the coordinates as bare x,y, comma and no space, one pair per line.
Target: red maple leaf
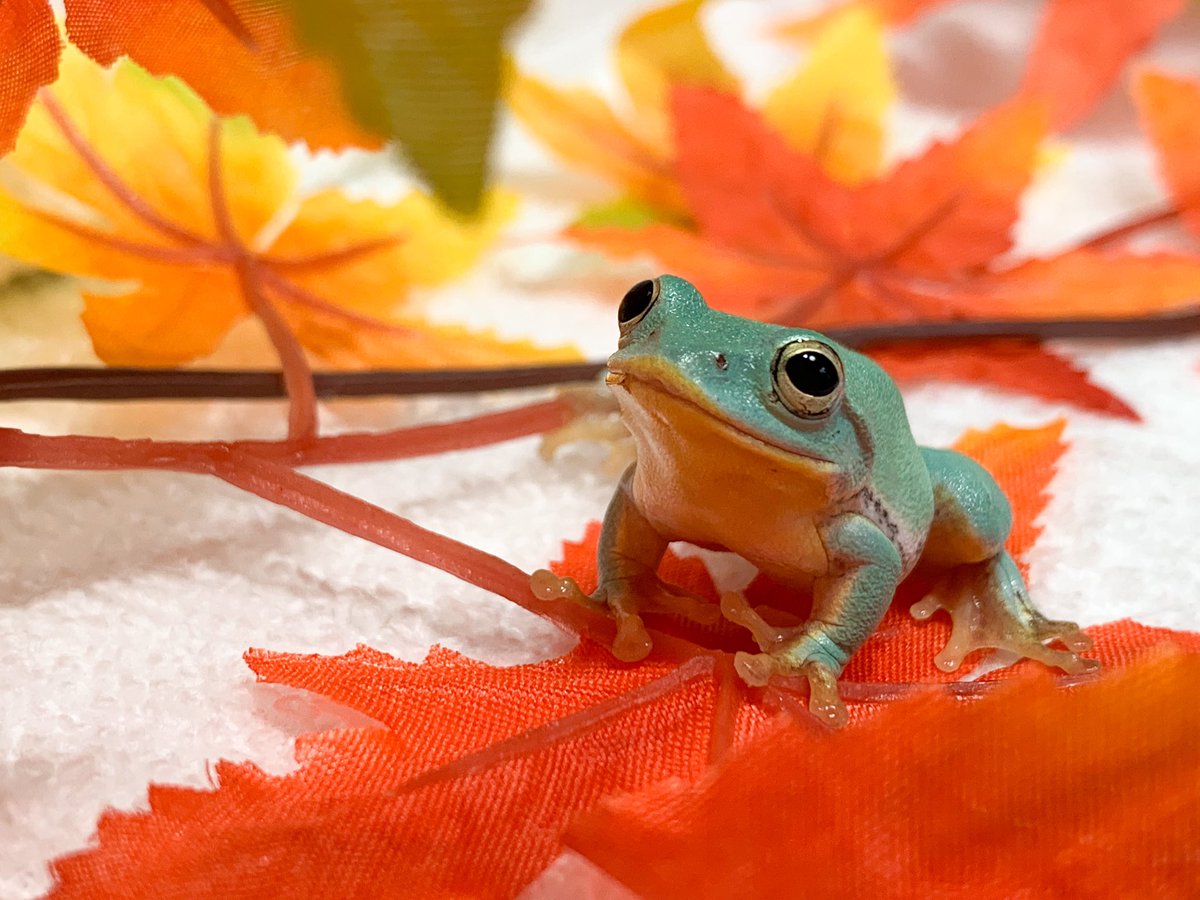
467,787
772,236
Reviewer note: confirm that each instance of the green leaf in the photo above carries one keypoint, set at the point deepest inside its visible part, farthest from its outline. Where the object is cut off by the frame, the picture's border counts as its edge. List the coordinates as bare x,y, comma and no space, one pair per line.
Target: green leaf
425,73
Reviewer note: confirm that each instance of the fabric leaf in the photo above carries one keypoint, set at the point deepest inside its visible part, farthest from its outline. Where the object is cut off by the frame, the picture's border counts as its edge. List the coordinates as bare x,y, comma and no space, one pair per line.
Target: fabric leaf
664,48
1081,47
1170,113
833,107
207,228
425,73
219,49
29,46
1035,792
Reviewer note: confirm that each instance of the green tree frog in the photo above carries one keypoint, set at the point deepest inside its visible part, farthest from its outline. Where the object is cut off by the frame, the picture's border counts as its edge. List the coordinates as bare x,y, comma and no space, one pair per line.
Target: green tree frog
779,445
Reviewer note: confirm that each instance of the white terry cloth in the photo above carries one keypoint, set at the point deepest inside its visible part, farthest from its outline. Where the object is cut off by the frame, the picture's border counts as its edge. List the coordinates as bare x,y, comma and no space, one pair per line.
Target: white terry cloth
127,599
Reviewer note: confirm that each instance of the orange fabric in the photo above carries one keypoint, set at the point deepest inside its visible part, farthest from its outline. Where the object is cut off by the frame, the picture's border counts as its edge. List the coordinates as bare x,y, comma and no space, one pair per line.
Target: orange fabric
898,786
29,47
241,56
1040,792
1082,46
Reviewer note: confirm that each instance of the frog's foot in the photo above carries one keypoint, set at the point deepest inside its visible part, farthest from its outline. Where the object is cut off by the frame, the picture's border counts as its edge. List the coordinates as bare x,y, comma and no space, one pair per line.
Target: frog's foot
625,601
595,417
802,650
990,609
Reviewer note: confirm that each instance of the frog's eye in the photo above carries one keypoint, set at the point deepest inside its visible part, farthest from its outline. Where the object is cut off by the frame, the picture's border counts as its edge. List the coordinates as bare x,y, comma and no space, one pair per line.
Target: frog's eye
637,302
808,378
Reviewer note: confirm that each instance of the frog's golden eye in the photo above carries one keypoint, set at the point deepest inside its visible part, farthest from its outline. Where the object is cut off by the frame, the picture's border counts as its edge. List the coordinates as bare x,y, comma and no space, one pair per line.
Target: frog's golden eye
637,302
808,378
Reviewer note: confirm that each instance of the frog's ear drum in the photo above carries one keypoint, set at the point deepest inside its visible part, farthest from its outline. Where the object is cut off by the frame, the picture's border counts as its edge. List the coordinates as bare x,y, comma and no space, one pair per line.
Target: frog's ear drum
637,302
808,378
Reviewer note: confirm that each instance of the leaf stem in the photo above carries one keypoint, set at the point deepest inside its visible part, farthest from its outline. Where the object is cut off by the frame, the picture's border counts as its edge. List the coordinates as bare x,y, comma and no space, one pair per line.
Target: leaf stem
297,373
280,484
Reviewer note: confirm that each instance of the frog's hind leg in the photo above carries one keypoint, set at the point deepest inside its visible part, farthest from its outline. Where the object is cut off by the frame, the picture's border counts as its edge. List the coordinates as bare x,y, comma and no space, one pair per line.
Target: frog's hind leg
977,581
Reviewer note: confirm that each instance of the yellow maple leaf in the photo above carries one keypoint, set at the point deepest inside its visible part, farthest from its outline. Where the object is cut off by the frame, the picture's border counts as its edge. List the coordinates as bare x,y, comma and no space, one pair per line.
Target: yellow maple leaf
831,108
196,222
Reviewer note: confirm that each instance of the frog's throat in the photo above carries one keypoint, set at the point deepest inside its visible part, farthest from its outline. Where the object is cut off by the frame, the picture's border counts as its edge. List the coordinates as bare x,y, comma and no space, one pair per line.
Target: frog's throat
649,377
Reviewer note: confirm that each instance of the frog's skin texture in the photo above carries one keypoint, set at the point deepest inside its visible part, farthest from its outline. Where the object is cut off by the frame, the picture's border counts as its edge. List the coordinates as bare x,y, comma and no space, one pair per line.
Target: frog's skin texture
826,492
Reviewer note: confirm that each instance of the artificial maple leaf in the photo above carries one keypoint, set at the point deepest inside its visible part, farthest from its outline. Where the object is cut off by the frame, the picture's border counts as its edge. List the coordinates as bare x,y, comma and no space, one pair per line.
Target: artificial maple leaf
240,56
776,239
467,787
343,825
1081,48
200,216
832,107
1036,792
1170,111
29,46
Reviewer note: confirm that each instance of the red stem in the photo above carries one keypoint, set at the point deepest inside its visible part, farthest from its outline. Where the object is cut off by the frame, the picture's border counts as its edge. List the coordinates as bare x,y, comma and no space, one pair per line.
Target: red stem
297,373
276,482
85,452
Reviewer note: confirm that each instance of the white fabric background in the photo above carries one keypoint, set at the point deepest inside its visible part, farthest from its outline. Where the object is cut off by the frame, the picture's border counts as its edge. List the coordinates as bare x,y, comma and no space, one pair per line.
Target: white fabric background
127,599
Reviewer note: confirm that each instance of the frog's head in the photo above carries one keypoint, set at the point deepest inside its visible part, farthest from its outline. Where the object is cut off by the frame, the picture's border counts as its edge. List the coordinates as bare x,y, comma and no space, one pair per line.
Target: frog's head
784,387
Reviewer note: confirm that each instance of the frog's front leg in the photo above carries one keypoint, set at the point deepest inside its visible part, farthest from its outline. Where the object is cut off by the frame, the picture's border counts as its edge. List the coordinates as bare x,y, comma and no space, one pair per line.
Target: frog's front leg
848,602
630,550
979,583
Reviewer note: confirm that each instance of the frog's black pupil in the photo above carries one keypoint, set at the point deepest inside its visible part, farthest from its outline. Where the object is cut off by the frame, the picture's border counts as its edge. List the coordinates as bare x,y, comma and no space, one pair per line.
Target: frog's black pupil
637,300
812,373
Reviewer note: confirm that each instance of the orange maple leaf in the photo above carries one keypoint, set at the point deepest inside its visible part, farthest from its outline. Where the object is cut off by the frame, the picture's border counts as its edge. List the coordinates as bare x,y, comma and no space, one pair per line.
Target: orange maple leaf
241,56
197,222
774,237
29,46
1038,792
832,106
1169,107
469,784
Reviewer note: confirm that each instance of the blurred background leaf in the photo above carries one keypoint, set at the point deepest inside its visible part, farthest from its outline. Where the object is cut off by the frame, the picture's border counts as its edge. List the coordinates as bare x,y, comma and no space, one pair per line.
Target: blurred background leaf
424,73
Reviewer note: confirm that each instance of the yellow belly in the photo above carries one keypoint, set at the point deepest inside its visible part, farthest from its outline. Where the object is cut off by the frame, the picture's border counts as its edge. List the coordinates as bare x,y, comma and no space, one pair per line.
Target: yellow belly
700,480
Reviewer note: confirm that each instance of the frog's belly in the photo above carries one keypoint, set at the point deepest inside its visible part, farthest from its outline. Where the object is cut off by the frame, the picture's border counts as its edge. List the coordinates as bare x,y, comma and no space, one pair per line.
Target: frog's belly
698,480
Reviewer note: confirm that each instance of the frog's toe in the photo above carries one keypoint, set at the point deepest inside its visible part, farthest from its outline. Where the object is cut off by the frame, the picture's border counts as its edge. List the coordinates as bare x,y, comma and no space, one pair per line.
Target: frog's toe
545,585
824,701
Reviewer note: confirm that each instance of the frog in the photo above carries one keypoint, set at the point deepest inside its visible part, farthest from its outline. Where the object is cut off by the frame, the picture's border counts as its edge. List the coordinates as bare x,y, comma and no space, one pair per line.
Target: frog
779,445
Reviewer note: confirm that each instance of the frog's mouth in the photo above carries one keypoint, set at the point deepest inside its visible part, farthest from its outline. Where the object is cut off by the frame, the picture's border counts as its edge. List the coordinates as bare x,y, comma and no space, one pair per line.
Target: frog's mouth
651,377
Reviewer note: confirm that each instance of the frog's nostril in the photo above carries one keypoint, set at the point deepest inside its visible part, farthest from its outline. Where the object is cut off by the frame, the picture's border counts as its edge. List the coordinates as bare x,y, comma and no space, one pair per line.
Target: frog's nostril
721,361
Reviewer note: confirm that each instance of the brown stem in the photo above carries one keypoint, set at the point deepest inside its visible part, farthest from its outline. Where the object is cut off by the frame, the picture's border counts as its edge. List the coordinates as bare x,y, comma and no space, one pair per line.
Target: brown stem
94,383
